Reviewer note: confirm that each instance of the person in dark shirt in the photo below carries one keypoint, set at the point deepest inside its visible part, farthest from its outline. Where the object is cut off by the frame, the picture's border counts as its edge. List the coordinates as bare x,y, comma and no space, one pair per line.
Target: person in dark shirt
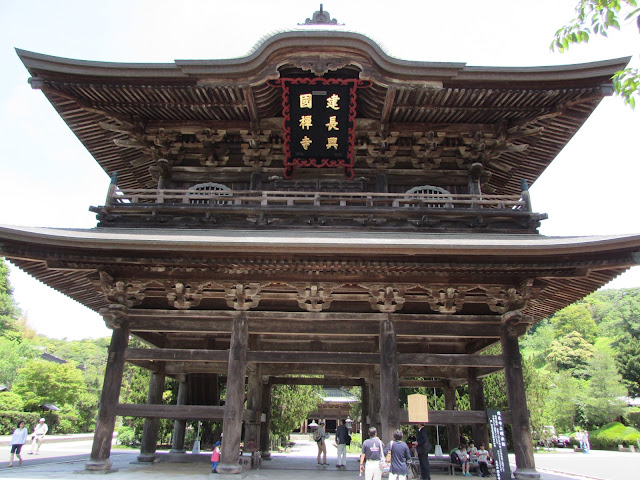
341,443
424,446
400,457
371,455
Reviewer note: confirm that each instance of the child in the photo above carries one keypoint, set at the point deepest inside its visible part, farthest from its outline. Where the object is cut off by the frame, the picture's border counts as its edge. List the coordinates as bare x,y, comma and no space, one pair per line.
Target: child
215,457
472,451
18,439
464,459
483,460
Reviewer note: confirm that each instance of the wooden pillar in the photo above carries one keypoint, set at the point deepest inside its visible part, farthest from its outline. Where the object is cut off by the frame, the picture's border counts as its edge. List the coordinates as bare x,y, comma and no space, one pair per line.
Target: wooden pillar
522,442
476,400
450,403
364,399
265,440
389,390
103,436
179,426
252,428
234,403
374,401
149,442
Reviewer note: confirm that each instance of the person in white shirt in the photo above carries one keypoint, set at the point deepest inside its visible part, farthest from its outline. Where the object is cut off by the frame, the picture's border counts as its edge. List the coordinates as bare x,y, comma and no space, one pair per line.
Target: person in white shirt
483,461
38,435
18,439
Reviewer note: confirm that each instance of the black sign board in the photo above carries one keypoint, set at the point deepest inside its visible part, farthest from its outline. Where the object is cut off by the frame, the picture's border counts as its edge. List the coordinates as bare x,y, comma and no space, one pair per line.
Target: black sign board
499,445
319,122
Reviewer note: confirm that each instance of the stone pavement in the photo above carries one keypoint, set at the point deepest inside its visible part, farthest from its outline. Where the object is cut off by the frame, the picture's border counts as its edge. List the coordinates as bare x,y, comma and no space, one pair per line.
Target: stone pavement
299,464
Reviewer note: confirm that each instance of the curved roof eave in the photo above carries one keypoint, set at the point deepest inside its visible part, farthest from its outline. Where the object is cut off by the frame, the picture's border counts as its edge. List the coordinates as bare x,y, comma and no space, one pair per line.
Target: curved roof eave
316,43
300,241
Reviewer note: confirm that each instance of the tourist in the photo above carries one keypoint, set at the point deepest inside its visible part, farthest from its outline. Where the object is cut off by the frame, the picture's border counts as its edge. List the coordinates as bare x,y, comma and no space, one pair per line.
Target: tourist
461,452
371,455
483,461
18,439
342,435
424,446
400,457
322,446
38,435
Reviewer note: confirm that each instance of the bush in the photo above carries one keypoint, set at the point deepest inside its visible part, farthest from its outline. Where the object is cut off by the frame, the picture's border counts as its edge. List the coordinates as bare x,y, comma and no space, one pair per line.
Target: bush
126,436
613,434
57,423
11,401
633,418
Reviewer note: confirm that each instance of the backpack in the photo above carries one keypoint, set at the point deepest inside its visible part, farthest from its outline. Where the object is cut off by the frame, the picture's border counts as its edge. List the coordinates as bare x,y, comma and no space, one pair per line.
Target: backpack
455,460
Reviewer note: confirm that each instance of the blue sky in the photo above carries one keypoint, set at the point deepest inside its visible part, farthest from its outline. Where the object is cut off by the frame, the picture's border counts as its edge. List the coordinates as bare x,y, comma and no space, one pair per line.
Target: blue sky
49,179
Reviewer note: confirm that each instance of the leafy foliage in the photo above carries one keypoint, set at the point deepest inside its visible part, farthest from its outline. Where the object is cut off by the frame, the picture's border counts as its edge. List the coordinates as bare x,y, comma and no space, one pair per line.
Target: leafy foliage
612,435
41,382
570,353
598,17
290,405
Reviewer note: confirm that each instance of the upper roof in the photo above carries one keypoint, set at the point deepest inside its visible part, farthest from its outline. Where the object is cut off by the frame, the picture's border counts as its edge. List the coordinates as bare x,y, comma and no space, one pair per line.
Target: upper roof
512,120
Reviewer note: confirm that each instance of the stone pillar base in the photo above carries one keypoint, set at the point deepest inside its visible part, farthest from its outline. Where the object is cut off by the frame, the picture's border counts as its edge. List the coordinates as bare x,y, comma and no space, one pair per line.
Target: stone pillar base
526,474
266,454
99,466
147,457
229,468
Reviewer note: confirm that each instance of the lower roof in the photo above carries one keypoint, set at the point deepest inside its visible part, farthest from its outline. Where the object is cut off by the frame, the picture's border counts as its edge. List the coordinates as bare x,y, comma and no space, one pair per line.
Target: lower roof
568,268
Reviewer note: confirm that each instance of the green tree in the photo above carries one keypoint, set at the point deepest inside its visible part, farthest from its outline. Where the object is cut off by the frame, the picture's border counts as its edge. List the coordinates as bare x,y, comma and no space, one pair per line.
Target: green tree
571,353
628,358
290,405
9,311
13,355
574,318
597,17
41,382
602,403
565,400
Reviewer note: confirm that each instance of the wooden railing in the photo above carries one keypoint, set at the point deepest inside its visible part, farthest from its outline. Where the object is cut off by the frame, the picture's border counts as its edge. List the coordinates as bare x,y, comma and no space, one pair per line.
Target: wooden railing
212,209
242,198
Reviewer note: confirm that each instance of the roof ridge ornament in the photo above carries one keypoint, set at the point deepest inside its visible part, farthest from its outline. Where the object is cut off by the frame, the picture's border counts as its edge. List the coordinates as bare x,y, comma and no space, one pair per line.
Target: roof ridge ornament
320,17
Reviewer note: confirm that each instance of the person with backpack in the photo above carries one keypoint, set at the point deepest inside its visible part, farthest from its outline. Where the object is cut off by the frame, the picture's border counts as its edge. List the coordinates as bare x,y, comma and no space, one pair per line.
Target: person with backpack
400,457
318,436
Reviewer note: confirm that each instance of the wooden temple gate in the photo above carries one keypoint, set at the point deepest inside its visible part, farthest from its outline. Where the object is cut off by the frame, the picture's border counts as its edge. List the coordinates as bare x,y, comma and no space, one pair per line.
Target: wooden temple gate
396,265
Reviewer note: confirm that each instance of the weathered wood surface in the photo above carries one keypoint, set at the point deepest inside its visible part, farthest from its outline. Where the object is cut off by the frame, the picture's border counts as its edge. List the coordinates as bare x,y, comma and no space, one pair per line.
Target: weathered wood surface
103,437
343,358
177,412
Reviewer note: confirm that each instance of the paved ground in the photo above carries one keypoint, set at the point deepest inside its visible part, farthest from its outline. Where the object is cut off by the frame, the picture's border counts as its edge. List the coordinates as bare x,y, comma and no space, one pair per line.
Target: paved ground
67,460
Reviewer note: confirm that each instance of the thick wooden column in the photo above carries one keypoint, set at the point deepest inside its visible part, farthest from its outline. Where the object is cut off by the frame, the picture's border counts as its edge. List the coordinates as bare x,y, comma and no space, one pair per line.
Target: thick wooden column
103,436
389,390
365,409
252,428
179,426
149,442
374,400
265,438
450,403
476,400
522,442
234,403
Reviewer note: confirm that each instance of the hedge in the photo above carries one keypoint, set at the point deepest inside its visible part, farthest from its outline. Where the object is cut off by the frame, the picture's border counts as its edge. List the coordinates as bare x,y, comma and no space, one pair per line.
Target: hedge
613,434
633,418
57,423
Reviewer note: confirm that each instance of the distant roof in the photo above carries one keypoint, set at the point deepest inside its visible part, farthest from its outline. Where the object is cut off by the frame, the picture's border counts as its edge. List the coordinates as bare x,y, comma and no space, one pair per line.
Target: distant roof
337,395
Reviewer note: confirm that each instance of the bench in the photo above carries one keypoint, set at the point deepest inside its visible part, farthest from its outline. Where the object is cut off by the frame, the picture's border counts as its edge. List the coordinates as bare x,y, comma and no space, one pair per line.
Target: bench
630,448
